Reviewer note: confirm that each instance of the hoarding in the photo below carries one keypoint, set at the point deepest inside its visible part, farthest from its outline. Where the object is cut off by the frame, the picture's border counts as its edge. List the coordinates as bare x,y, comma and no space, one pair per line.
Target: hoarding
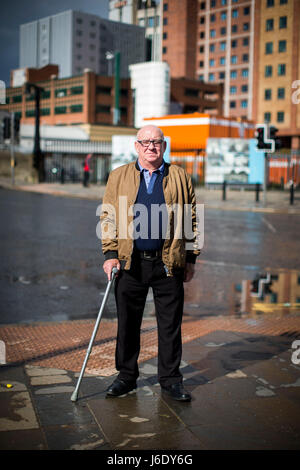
123,150
233,161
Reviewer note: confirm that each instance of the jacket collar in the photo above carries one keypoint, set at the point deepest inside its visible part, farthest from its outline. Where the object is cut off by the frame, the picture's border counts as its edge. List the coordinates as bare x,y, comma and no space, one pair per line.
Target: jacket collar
166,167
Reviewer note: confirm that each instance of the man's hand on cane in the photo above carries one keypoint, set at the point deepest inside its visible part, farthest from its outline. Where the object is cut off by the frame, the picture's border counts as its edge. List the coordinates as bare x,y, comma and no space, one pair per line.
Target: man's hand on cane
109,264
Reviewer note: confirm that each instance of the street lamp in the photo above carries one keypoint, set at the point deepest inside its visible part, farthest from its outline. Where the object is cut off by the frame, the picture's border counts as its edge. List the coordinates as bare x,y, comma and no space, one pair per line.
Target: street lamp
38,157
116,110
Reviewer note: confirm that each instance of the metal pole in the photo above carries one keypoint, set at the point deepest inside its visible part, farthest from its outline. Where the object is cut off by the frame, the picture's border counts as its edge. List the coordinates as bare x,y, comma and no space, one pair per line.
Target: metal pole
116,116
265,178
12,147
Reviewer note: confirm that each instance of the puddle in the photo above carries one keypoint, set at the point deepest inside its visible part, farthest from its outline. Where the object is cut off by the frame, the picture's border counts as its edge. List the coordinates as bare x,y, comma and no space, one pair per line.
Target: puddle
269,292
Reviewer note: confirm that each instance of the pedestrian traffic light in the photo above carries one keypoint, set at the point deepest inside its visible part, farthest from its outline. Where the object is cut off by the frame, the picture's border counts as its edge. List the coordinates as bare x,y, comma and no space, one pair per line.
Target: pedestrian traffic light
260,135
273,136
6,127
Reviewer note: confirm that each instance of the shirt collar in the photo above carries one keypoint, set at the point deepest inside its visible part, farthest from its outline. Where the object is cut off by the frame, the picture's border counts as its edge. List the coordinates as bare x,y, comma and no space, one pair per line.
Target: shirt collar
161,168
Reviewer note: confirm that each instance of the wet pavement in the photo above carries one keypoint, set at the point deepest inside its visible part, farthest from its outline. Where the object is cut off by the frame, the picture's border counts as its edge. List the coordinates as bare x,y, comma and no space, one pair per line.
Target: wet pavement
241,351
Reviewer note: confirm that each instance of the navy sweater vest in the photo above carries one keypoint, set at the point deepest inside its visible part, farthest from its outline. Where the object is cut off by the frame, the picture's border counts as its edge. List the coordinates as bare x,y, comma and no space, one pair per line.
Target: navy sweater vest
150,230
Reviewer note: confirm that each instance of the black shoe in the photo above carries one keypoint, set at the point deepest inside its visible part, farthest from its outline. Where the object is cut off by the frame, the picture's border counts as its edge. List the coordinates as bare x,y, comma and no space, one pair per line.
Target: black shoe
120,387
177,392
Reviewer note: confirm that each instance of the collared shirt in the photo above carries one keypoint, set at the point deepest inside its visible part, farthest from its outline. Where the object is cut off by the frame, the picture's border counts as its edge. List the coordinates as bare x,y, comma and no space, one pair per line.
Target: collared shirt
150,180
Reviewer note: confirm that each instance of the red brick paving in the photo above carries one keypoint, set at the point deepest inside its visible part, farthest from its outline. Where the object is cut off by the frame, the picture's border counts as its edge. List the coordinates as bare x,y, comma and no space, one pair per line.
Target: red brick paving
64,345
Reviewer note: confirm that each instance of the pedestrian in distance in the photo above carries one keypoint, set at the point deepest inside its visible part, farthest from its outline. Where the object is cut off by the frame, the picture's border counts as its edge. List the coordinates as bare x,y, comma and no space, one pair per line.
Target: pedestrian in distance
145,208
86,170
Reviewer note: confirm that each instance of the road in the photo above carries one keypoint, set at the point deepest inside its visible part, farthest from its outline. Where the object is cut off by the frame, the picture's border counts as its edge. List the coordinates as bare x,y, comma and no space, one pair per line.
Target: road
51,260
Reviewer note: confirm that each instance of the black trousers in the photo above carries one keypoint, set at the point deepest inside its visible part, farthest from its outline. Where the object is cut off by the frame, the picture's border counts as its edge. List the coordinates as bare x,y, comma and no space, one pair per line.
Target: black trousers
131,290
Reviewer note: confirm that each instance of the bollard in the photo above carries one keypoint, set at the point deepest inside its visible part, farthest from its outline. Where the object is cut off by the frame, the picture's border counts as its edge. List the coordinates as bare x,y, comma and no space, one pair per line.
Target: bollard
257,188
62,176
292,193
224,191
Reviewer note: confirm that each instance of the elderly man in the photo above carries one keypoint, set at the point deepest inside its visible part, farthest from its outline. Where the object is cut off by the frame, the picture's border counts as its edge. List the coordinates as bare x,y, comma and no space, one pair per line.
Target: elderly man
150,256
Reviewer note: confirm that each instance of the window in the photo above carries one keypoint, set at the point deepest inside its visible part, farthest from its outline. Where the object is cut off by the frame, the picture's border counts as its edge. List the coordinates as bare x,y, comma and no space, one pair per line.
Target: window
281,69
151,21
270,3
60,92
165,36
201,78
235,13
211,77
269,24
76,90
78,20
244,88
45,111
282,46
223,2
202,35
223,15
280,116
212,33
212,47
283,22
212,62
165,7
221,75
17,99
281,93
212,18
245,58
234,59
223,31
232,90
247,11
103,90
232,104
268,94
234,28
164,50
213,3
267,117
222,61
191,92
269,48
234,43
246,27
201,48
76,108
102,109
202,5
233,74
246,42
202,19
245,73
268,71
283,2
222,45
165,21
244,104
60,109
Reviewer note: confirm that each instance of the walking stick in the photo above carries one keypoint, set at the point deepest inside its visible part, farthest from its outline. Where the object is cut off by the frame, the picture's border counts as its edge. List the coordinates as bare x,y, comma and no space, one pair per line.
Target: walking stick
75,393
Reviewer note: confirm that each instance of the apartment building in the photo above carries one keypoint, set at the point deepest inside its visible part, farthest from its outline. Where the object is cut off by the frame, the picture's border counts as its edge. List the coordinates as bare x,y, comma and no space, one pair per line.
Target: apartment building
76,40
144,13
277,68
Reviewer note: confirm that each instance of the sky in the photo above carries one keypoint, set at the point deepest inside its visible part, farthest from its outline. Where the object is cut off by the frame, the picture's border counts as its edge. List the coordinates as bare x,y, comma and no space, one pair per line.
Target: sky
16,12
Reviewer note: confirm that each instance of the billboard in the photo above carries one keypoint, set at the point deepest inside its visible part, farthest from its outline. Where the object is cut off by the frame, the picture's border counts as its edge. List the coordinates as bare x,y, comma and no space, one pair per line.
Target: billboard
123,150
233,161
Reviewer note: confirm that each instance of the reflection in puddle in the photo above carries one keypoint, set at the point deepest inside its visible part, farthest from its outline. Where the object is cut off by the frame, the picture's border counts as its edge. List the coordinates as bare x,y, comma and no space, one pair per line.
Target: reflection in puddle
276,292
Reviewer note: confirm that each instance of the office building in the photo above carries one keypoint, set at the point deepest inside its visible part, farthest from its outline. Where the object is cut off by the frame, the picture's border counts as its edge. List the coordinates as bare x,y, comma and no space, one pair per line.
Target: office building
75,40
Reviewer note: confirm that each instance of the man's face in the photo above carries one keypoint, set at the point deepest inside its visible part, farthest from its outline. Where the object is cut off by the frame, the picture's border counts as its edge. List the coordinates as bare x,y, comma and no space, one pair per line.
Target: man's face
150,155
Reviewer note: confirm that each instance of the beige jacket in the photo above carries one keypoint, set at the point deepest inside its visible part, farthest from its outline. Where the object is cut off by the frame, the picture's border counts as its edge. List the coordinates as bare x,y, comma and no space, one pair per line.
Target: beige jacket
117,216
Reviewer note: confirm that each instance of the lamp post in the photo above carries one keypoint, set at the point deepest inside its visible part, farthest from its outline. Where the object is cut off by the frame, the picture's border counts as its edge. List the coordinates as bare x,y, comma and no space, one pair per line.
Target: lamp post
38,157
117,59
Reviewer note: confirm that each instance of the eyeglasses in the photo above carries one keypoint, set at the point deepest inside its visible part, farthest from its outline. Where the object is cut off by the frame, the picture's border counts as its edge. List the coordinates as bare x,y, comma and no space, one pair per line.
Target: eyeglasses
146,143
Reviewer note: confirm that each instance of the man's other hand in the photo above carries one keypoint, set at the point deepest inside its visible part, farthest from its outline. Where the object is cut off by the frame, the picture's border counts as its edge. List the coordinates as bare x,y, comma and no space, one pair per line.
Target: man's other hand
189,272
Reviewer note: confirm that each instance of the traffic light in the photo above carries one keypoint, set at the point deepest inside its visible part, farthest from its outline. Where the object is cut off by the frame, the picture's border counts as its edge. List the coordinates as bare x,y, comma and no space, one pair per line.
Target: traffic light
17,125
273,132
260,135
6,128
